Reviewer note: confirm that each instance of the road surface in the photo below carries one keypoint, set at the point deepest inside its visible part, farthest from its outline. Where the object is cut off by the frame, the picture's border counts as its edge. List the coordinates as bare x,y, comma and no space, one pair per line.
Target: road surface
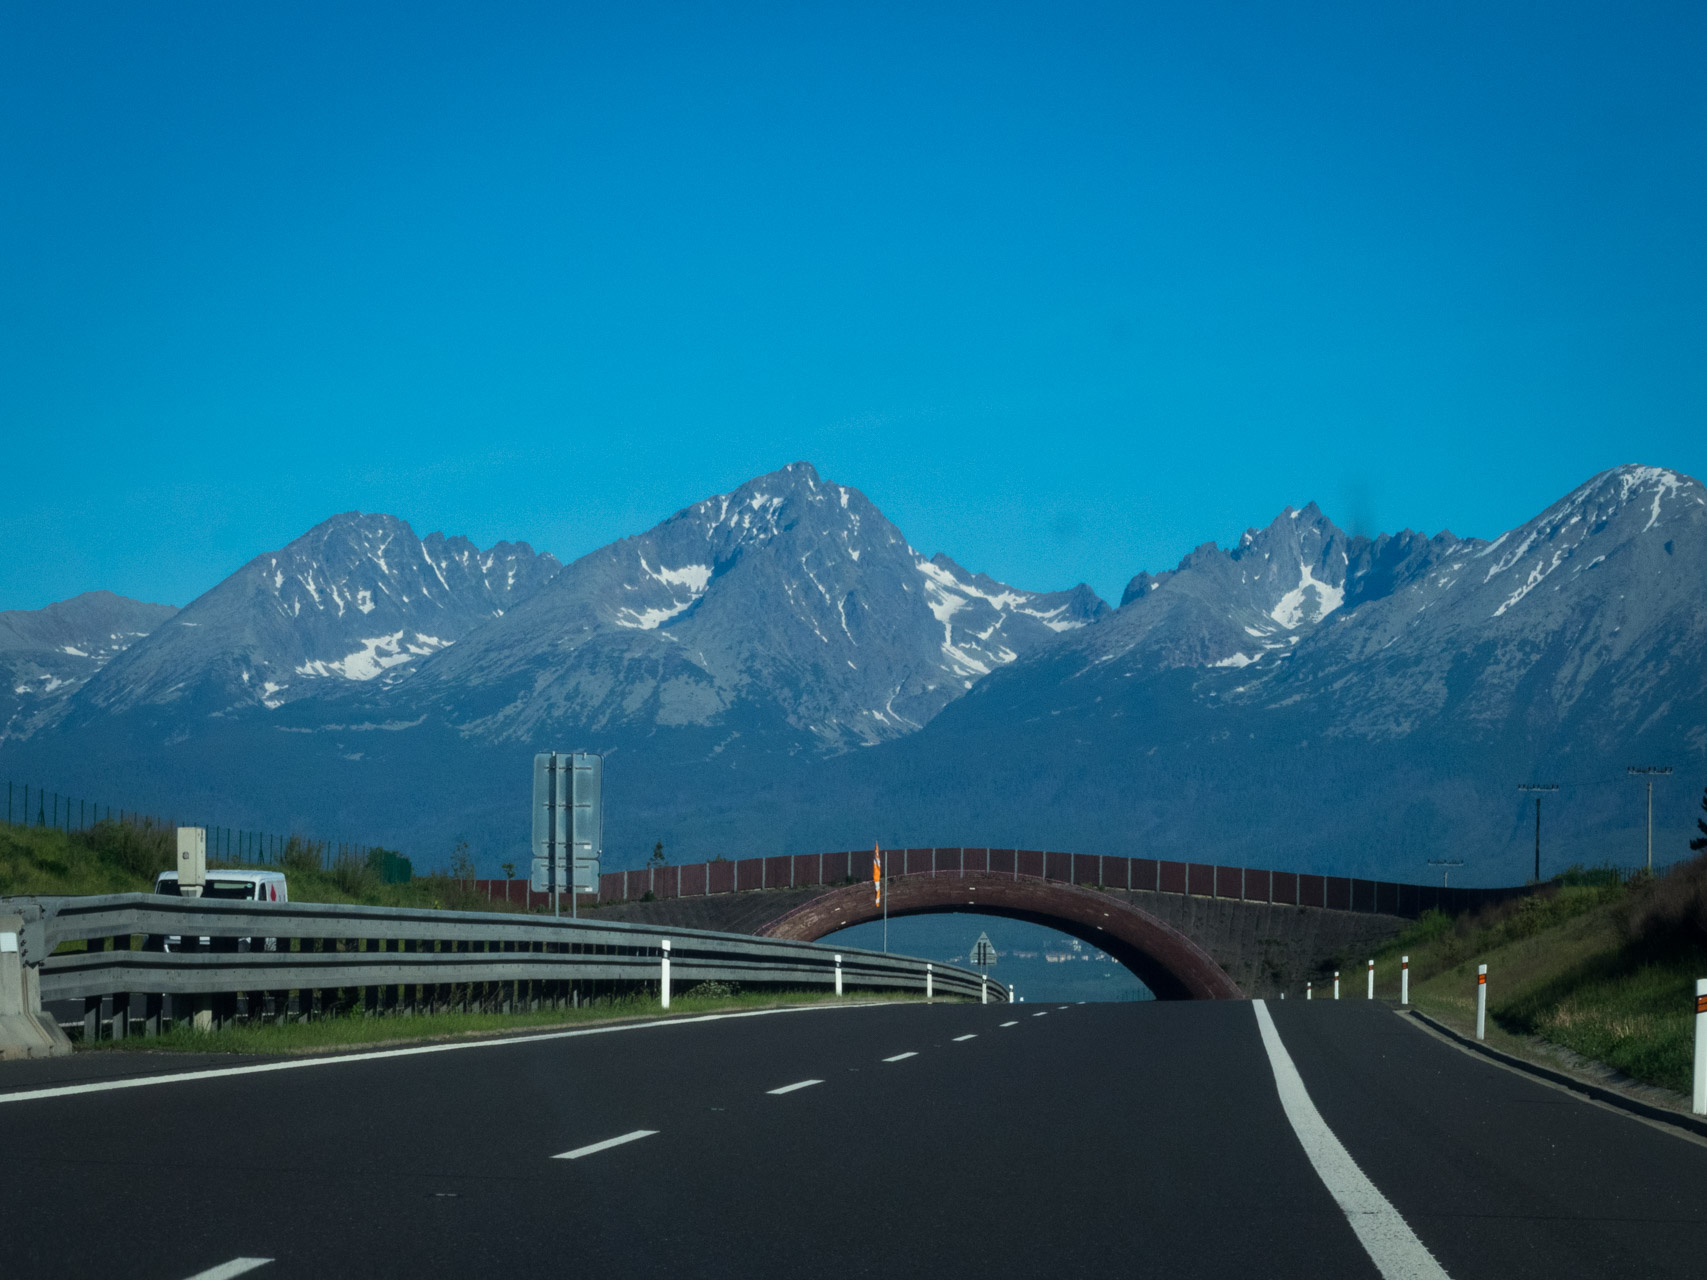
1142,1140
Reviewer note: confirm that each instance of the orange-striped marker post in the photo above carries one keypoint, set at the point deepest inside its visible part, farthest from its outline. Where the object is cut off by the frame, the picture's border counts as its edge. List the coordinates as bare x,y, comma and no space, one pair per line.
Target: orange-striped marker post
1404,979
1481,1001
1700,1100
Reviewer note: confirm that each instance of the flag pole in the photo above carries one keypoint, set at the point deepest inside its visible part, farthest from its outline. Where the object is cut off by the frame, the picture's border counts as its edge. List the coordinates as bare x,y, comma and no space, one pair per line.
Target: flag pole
885,866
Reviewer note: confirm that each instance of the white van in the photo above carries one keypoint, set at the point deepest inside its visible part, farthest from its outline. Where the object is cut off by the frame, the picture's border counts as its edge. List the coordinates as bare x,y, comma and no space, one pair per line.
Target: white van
241,886
244,886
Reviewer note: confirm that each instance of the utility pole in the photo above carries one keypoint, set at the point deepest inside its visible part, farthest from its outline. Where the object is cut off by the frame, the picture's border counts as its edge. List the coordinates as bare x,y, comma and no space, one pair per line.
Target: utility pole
1650,772
1444,864
1540,789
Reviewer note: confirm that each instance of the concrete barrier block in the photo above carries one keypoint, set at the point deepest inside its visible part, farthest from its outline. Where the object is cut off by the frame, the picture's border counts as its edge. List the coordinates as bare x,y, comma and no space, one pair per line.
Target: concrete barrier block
25,1031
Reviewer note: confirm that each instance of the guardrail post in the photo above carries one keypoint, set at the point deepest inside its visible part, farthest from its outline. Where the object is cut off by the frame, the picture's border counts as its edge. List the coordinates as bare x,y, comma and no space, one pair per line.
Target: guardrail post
664,974
1371,995
1404,979
1699,1103
838,975
929,975
1481,1000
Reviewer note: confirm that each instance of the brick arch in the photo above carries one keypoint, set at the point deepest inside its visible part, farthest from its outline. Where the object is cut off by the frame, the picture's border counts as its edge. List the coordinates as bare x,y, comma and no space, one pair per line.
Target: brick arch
1163,958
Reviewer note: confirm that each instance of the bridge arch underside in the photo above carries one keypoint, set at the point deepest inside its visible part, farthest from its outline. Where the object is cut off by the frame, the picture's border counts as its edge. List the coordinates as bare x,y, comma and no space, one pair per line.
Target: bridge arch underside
1163,958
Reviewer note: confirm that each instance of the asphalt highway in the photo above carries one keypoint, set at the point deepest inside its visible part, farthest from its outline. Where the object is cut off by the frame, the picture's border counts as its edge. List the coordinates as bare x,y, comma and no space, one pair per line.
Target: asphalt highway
1152,1139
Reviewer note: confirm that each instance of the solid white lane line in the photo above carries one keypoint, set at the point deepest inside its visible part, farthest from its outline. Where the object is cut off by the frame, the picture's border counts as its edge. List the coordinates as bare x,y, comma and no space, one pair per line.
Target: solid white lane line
798,1084
1388,1239
1010,1024
902,1057
958,1039
297,1064
606,1145
236,1267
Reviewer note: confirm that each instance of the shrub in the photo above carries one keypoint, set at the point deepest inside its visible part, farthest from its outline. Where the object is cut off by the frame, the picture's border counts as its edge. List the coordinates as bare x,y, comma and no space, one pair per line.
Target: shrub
353,876
138,849
1670,910
301,855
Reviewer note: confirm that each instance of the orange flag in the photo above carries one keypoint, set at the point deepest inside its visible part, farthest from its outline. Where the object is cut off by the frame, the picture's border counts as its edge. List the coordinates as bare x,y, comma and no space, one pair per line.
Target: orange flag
877,873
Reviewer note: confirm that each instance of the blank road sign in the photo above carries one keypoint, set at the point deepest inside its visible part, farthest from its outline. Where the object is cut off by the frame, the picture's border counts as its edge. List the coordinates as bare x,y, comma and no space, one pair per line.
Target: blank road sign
568,819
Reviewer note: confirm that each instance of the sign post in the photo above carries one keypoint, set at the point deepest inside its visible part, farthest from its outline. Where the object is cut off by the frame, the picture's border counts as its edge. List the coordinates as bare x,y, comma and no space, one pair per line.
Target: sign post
984,956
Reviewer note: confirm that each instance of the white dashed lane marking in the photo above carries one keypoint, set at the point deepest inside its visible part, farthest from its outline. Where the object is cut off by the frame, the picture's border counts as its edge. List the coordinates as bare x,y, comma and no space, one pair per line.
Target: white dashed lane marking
226,1270
958,1039
606,1145
902,1057
798,1084
1010,1024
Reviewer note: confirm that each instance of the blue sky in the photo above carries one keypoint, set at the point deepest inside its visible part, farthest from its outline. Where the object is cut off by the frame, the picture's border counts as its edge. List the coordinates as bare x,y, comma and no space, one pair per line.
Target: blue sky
1065,289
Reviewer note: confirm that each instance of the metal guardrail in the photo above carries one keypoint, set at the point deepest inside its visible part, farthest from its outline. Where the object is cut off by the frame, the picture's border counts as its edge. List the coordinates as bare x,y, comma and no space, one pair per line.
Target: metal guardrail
385,960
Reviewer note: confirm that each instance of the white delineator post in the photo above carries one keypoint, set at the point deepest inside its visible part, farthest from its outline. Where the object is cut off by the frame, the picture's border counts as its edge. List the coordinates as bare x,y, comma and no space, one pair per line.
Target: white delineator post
1336,984
930,991
1404,979
1481,1000
1307,993
838,975
984,989
1700,1099
664,975
1372,980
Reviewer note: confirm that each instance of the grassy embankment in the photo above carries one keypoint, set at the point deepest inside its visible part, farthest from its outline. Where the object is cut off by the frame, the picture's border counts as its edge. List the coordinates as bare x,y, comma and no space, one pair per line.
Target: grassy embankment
1599,966
114,857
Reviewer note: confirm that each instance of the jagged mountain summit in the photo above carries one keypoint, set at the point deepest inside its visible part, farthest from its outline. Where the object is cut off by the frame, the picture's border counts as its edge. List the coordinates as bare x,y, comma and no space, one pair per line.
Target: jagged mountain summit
1307,689
358,598
789,607
47,655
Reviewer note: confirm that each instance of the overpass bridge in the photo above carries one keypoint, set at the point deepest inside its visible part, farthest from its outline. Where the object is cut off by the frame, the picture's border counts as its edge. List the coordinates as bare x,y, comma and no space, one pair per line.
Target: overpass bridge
1187,930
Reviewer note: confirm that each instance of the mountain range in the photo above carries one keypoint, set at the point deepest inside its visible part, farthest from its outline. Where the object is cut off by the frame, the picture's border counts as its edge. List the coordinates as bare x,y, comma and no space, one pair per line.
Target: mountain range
778,669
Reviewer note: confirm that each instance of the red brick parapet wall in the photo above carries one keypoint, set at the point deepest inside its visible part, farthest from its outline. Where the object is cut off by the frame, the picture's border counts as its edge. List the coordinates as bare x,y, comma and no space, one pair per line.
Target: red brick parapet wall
1194,879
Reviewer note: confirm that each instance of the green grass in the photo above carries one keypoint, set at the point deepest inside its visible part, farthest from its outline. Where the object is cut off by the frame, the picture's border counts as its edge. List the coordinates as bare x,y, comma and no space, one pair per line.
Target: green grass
355,1031
1589,967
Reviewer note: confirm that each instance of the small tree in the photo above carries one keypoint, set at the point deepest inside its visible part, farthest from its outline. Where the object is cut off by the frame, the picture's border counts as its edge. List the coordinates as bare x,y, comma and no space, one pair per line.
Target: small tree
657,859
1700,842
509,870
461,862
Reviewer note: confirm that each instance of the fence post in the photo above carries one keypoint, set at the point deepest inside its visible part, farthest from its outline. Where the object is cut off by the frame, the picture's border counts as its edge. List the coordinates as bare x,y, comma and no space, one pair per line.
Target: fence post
1336,984
1371,980
929,983
1700,1099
838,975
1481,1000
664,975
1404,979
